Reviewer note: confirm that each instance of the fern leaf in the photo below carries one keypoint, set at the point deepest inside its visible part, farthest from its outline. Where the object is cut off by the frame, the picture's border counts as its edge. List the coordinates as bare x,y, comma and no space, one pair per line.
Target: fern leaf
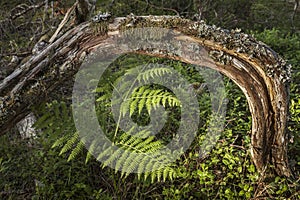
164,99
152,147
60,141
146,175
131,142
148,105
88,157
120,162
133,106
140,91
91,151
130,164
156,99
100,89
148,167
44,121
166,173
79,148
153,176
125,107
107,151
103,97
142,164
149,102
113,157
153,72
158,174
142,101
70,143
143,145
124,137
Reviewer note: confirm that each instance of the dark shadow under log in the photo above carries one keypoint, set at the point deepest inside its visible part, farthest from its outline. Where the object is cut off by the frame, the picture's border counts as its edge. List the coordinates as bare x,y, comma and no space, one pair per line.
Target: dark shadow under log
261,74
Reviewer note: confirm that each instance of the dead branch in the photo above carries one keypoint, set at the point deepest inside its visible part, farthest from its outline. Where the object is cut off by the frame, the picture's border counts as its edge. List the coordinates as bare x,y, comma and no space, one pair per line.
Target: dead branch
23,9
261,74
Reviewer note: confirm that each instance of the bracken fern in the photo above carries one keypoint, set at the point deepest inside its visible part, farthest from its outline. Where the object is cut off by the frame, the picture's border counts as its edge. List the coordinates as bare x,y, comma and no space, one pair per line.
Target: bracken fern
142,155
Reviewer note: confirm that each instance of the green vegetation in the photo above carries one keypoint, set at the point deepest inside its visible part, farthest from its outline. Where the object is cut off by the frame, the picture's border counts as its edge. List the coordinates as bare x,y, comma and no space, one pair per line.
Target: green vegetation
56,164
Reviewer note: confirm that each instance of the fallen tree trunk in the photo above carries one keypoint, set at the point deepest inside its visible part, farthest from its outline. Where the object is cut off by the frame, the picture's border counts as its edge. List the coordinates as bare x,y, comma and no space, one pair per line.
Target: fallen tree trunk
261,74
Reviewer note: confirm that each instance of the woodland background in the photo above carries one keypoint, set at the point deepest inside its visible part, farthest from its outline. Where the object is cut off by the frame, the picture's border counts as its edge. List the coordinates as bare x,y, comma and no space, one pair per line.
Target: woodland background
49,166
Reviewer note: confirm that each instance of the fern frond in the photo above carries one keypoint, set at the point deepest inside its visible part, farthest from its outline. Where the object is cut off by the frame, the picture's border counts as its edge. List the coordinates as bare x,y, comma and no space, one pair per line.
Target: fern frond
133,106
120,162
45,121
149,98
100,89
137,154
91,151
124,108
75,152
130,164
113,157
60,141
143,101
88,157
103,154
150,147
152,73
70,143
168,172
103,97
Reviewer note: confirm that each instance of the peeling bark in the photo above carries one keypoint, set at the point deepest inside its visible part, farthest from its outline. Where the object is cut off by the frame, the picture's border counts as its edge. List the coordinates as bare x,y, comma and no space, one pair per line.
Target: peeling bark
260,73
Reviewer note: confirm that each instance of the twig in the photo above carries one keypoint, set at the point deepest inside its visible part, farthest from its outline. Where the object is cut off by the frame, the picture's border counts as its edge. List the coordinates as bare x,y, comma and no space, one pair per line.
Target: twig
295,11
26,10
33,72
21,54
23,69
240,147
63,22
162,8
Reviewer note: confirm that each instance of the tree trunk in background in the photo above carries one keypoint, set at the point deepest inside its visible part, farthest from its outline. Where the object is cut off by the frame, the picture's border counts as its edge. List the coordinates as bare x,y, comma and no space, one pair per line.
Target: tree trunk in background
261,74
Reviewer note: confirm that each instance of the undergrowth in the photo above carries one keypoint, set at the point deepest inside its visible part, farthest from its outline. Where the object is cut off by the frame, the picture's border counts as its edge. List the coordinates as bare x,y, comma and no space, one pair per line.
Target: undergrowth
56,164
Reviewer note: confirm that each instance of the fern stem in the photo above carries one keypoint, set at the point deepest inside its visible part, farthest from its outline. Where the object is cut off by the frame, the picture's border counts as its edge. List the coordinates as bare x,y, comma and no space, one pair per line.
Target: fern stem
126,97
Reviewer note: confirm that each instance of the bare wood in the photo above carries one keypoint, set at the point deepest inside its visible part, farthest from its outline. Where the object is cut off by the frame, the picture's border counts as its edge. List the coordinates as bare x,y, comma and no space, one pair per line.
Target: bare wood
260,73
63,22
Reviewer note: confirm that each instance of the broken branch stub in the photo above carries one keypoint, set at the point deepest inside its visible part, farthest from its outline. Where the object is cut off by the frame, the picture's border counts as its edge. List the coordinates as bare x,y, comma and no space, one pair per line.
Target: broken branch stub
262,75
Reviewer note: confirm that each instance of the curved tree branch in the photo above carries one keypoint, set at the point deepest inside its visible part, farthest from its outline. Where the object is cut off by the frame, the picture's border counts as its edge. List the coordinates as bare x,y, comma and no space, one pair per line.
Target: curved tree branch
261,74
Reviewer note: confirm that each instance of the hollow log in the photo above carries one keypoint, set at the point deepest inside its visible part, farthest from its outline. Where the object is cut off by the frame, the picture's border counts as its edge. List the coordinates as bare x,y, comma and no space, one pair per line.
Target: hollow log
262,75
